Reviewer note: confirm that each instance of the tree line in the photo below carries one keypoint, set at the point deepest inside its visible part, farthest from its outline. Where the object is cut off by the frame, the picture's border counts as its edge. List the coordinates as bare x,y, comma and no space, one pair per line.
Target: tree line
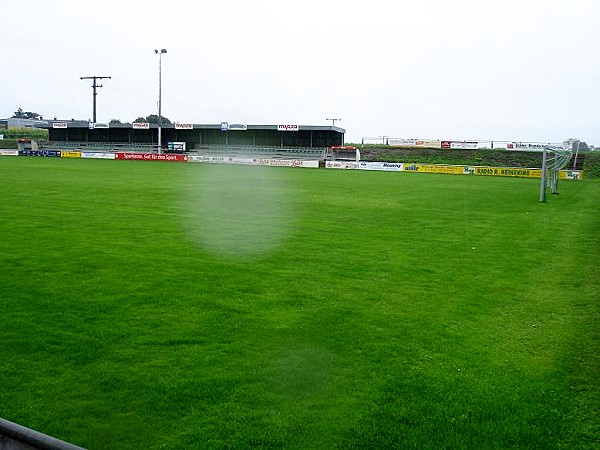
152,118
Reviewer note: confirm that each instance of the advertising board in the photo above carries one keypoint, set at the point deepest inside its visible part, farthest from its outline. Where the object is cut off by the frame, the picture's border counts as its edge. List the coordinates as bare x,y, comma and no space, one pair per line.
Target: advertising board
570,175
288,127
506,172
386,166
428,143
535,146
314,164
150,157
285,162
342,165
434,168
97,155
400,142
69,154
210,159
42,153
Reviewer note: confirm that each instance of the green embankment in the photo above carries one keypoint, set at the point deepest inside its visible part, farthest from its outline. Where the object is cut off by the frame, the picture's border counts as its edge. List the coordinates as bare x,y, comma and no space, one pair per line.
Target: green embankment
480,157
11,135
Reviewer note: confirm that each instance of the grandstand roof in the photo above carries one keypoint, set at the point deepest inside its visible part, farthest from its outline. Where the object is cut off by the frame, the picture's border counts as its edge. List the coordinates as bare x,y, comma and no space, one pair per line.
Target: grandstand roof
196,135
230,126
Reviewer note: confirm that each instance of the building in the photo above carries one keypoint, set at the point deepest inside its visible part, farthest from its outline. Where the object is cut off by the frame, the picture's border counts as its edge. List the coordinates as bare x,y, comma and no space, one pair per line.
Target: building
14,122
195,136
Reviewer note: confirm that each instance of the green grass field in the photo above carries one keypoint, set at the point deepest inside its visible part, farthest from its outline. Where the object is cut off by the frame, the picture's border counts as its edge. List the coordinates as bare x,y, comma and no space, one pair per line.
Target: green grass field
182,306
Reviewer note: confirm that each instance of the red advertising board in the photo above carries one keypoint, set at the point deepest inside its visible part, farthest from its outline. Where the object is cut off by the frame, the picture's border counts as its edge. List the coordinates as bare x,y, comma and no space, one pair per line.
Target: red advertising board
151,157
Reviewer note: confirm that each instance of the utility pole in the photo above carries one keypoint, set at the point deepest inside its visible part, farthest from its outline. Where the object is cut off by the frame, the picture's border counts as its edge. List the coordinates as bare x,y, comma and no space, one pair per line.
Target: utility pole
333,121
94,86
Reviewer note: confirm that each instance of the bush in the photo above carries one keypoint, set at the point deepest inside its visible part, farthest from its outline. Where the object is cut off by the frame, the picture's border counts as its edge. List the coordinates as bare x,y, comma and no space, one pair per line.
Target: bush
591,166
29,133
8,143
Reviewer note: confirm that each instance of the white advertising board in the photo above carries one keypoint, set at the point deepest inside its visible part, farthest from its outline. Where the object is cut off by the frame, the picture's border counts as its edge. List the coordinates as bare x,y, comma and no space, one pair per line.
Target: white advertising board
97,155
288,127
342,165
314,164
400,142
392,167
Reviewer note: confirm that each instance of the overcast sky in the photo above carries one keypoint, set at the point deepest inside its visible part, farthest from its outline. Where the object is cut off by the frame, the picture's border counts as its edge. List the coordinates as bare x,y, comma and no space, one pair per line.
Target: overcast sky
525,70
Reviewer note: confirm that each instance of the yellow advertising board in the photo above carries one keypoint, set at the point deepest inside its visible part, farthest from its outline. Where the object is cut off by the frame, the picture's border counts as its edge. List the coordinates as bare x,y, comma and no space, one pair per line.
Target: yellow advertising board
434,168
69,154
522,173
507,172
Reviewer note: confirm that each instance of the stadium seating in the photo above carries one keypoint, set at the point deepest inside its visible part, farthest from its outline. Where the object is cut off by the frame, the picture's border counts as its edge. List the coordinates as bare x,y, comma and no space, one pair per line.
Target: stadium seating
100,146
261,152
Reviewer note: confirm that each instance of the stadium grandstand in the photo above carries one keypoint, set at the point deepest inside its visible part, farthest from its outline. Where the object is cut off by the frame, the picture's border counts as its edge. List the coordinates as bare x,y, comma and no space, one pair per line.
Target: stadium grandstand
224,139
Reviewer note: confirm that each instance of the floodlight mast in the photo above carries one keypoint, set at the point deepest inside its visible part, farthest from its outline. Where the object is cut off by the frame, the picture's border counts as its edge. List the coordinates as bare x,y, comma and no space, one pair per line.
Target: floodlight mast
160,53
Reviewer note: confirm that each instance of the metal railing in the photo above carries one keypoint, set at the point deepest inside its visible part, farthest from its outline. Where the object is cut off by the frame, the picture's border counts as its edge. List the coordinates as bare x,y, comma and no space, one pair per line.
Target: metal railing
100,146
16,437
261,152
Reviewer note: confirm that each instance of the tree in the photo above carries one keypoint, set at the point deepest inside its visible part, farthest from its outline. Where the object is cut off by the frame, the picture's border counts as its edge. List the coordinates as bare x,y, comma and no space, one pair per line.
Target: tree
20,114
152,118
114,121
578,145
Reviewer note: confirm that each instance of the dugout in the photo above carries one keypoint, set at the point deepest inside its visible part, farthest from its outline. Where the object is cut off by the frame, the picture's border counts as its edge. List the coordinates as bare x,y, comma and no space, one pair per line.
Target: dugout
195,136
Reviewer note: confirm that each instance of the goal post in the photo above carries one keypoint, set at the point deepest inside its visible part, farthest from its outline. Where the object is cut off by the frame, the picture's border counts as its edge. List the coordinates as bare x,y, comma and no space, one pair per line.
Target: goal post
554,158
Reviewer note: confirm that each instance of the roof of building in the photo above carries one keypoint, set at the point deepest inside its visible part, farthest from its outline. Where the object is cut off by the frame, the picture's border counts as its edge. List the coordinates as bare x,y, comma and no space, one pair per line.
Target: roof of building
222,126
15,122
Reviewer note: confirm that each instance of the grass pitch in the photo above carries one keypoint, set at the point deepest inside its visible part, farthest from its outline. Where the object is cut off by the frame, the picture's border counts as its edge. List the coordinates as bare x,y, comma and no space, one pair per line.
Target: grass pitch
151,305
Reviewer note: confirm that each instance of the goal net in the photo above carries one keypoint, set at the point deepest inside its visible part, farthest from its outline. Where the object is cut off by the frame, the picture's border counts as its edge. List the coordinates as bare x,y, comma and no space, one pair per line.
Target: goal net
555,158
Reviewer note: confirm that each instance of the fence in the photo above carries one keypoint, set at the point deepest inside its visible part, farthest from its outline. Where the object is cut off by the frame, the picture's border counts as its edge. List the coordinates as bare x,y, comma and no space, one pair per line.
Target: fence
100,146
18,437
262,152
